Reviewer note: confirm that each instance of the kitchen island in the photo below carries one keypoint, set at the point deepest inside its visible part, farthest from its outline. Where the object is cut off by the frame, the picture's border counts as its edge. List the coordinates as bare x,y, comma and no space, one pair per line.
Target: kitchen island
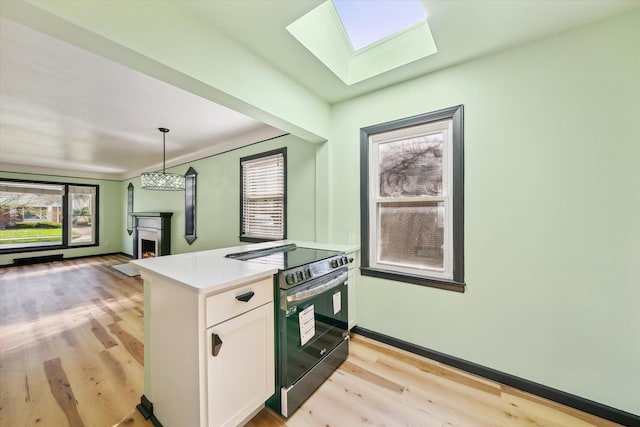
209,336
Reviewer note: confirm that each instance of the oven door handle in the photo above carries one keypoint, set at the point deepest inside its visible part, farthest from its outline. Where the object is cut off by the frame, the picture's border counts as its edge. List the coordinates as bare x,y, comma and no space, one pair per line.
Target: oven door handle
317,289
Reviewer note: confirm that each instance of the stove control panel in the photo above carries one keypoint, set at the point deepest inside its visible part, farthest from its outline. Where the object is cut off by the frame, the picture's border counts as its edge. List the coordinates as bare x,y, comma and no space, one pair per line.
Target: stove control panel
299,275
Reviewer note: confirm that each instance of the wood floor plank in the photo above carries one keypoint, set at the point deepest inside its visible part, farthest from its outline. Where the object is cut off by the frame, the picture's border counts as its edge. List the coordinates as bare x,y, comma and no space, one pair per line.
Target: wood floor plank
100,332
90,379
550,411
371,377
62,391
133,381
42,409
130,342
19,395
115,367
104,295
104,307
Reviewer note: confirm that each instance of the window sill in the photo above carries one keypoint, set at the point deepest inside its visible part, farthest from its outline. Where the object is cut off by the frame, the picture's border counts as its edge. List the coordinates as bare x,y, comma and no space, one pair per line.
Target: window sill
449,285
259,239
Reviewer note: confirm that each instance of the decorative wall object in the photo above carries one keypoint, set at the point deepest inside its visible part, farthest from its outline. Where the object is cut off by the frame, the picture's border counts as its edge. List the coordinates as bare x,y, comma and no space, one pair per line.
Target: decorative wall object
130,209
190,206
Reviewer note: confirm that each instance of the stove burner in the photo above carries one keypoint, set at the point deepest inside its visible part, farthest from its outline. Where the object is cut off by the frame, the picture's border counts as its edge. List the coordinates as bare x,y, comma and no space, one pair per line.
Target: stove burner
297,265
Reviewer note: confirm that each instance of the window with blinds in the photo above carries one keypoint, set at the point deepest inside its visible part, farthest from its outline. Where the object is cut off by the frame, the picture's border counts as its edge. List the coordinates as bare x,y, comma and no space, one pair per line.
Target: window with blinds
264,196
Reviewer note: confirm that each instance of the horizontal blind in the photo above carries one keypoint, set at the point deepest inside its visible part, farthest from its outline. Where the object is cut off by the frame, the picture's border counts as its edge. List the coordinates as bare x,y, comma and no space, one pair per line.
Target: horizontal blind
263,190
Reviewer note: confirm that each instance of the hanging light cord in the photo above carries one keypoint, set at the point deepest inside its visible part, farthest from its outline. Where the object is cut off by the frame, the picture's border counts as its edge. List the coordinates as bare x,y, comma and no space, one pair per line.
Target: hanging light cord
162,180
164,150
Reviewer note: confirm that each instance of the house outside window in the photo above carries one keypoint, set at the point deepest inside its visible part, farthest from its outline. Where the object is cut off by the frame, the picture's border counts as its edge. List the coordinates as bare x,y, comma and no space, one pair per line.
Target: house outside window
263,198
45,215
412,200
82,201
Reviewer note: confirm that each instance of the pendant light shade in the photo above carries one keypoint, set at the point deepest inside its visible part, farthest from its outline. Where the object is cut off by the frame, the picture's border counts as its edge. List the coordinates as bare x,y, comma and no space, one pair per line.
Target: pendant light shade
161,180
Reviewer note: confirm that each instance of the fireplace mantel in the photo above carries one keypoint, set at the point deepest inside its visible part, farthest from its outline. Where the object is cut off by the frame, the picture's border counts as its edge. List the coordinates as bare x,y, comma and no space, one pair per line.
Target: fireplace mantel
152,214
156,223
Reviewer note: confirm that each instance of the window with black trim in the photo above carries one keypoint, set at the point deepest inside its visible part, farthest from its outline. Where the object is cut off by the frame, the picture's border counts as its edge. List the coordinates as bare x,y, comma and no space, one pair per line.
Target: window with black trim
47,215
263,196
412,200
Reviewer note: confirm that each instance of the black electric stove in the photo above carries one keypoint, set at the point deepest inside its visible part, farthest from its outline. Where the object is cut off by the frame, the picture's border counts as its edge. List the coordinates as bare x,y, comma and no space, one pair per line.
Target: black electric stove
311,318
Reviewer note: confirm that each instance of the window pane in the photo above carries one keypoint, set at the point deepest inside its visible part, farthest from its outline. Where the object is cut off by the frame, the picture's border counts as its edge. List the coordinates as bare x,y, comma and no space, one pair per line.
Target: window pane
411,167
366,22
412,234
82,215
30,215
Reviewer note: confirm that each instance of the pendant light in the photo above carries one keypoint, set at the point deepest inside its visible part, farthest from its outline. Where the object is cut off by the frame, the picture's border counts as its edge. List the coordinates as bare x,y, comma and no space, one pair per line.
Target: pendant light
161,180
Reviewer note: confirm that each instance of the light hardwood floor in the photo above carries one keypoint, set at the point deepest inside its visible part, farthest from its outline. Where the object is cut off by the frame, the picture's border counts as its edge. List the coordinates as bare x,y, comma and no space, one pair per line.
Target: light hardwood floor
71,353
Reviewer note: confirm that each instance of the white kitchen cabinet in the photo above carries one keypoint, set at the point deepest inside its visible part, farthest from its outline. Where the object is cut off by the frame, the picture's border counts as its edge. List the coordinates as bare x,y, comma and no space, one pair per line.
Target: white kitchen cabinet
240,365
186,384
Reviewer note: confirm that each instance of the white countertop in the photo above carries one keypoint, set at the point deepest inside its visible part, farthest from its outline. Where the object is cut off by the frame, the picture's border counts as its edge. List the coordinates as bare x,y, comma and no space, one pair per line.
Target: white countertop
327,246
210,272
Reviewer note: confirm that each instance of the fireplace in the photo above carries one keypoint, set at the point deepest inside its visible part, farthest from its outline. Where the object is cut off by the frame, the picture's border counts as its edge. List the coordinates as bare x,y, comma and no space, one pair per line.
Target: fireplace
148,244
152,235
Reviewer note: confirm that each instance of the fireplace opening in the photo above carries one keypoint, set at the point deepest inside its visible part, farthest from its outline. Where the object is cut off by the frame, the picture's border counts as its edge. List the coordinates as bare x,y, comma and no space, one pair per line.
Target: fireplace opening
152,236
147,248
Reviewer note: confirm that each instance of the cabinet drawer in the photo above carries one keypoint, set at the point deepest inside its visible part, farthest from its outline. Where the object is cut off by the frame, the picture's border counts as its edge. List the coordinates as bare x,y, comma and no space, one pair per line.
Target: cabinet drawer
224,306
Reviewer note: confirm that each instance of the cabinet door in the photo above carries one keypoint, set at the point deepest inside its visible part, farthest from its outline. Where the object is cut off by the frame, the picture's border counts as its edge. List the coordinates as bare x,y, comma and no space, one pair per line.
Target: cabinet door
241,375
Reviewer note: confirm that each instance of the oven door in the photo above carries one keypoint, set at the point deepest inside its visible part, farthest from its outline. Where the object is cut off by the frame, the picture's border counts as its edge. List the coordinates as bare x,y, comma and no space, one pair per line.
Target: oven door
315,321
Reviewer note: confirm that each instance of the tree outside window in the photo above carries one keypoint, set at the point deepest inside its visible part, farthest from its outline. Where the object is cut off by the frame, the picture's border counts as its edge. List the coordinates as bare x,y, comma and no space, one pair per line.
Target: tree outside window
412,211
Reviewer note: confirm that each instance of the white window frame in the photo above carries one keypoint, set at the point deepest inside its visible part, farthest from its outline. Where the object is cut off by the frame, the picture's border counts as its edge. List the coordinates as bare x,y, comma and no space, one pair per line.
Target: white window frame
449,122
275,159
376,201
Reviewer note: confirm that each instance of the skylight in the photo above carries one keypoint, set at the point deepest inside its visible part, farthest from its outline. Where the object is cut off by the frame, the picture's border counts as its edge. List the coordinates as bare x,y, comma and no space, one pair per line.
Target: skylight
367,22
393,34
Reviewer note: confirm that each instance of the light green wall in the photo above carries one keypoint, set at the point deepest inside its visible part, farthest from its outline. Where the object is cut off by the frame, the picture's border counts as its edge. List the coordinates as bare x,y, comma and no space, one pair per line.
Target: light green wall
552,212
218,197
110,208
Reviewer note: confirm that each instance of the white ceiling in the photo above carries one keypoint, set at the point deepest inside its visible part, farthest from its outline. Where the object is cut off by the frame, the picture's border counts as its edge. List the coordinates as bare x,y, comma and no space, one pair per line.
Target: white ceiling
66,111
